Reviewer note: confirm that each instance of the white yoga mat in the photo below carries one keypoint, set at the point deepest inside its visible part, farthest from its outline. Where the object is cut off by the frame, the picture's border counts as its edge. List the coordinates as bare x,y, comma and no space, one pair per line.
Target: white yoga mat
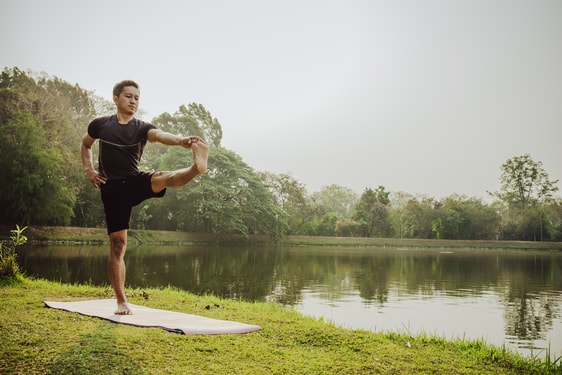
147,317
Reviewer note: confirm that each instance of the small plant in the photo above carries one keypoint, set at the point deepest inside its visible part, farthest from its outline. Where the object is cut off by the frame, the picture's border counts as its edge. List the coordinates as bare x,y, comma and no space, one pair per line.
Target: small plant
8,262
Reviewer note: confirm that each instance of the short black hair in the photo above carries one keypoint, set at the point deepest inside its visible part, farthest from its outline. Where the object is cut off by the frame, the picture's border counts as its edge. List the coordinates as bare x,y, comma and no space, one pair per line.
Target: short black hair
121,85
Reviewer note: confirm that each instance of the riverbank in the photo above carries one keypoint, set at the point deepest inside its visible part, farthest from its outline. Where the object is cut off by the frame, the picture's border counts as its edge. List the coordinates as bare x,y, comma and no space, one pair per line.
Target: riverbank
76,235
37,340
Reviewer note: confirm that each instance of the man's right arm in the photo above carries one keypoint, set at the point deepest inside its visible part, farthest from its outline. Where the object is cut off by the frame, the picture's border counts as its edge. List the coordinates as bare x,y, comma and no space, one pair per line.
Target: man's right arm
88,161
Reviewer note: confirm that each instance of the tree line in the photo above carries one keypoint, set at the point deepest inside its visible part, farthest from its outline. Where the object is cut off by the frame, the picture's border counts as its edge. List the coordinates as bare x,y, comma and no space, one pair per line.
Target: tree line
43,118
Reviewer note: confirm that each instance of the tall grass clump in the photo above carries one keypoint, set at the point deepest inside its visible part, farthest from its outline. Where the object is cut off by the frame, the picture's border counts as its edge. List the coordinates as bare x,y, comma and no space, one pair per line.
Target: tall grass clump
8,262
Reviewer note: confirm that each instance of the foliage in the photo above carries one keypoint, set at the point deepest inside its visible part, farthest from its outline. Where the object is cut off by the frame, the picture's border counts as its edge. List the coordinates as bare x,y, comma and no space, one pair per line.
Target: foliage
338,200
290,196
41,122
371,213
524,183
461,217
8,262
228,198
193,120
527,192
553,219
36,191
43,118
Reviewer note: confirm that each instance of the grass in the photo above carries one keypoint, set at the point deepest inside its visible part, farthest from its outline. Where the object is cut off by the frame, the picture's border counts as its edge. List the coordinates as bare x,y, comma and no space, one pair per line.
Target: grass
38,340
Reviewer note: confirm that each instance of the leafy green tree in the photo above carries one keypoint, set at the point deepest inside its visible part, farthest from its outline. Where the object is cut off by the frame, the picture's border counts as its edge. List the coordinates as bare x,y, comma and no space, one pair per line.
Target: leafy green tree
397,206
289,195
461,217
58,112
336,199
419,216
524,182
525,189
345,227
193,120
371,214
228,198
33,189
554,219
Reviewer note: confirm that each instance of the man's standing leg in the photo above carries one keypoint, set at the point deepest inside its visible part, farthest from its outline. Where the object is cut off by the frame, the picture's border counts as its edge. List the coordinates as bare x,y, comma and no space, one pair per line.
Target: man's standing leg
116,269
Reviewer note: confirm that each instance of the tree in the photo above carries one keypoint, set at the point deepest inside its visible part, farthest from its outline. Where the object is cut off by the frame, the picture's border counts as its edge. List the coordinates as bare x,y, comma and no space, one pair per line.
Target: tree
228,198
525,189
419,215
524,183
371,214
336,199
193,120
57,113
33,188
397,211
554,219
289,195
461,217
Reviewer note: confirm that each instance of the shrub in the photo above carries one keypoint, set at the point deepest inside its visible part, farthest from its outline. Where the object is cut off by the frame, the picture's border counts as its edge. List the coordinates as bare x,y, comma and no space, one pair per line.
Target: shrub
8,262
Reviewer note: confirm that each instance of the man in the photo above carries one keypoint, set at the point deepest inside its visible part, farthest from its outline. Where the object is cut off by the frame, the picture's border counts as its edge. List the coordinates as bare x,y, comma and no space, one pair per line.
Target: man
122,138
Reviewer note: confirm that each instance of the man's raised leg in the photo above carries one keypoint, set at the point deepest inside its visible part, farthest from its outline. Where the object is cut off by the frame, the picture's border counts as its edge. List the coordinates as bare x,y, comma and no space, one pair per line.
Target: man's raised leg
181,177
116,269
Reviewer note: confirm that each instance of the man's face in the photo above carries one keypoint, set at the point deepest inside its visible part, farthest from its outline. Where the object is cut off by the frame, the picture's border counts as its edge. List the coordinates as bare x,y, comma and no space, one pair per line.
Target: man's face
128,101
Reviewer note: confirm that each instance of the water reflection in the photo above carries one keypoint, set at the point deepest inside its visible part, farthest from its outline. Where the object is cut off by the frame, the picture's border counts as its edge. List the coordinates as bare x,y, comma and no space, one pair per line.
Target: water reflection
511,297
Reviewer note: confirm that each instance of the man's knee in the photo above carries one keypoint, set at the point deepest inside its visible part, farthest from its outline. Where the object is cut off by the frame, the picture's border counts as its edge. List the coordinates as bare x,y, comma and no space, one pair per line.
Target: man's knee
118,242
159,181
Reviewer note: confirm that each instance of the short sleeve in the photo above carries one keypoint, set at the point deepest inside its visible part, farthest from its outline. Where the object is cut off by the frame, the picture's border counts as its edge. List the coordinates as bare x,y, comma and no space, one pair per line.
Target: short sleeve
94,127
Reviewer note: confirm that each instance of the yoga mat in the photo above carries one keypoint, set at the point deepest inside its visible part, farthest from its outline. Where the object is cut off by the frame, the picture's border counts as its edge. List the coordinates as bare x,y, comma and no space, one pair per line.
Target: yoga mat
177,322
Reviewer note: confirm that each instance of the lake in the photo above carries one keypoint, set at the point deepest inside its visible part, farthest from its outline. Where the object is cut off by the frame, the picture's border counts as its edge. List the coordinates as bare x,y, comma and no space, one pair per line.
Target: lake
506,297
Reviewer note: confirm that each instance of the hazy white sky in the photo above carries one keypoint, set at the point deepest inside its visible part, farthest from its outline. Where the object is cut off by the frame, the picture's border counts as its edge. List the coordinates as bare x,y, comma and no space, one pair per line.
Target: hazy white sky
426,97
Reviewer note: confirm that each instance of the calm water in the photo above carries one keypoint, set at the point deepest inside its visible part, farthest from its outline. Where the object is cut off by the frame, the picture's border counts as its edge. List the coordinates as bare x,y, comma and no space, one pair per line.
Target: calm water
505,297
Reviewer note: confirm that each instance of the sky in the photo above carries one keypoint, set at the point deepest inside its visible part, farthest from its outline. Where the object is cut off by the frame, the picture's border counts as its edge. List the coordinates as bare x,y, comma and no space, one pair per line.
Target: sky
423,97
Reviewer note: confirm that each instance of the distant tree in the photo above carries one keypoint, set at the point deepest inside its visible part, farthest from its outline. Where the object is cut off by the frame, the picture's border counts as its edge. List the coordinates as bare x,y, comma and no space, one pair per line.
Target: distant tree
290,195
553,212
526,190
324,209
336,199
345,228
524,182
397,206
371,214
419,217
461,217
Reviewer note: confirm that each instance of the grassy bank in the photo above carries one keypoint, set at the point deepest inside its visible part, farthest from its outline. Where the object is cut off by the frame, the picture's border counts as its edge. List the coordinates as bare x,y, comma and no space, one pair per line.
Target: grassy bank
98,235
38,340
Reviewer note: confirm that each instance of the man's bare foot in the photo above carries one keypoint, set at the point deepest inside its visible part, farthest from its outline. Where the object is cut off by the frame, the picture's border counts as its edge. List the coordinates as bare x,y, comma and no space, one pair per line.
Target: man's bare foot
200,154
123,309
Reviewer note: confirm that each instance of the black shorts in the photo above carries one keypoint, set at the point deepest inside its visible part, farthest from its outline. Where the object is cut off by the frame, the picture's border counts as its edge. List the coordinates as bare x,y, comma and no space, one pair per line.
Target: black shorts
120,196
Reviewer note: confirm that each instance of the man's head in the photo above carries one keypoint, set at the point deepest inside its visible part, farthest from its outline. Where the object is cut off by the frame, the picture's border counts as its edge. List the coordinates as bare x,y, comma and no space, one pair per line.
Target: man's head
118,88
126,96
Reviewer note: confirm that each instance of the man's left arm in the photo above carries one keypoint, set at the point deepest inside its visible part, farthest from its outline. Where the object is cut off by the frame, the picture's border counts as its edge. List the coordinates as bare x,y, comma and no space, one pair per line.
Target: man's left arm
159,136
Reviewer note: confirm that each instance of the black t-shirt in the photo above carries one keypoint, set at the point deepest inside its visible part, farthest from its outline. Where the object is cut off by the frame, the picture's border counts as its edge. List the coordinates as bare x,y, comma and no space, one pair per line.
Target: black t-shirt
120,146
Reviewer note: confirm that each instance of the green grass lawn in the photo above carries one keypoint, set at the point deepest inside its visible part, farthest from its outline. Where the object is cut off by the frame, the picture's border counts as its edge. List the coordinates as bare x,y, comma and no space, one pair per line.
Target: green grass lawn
35,339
